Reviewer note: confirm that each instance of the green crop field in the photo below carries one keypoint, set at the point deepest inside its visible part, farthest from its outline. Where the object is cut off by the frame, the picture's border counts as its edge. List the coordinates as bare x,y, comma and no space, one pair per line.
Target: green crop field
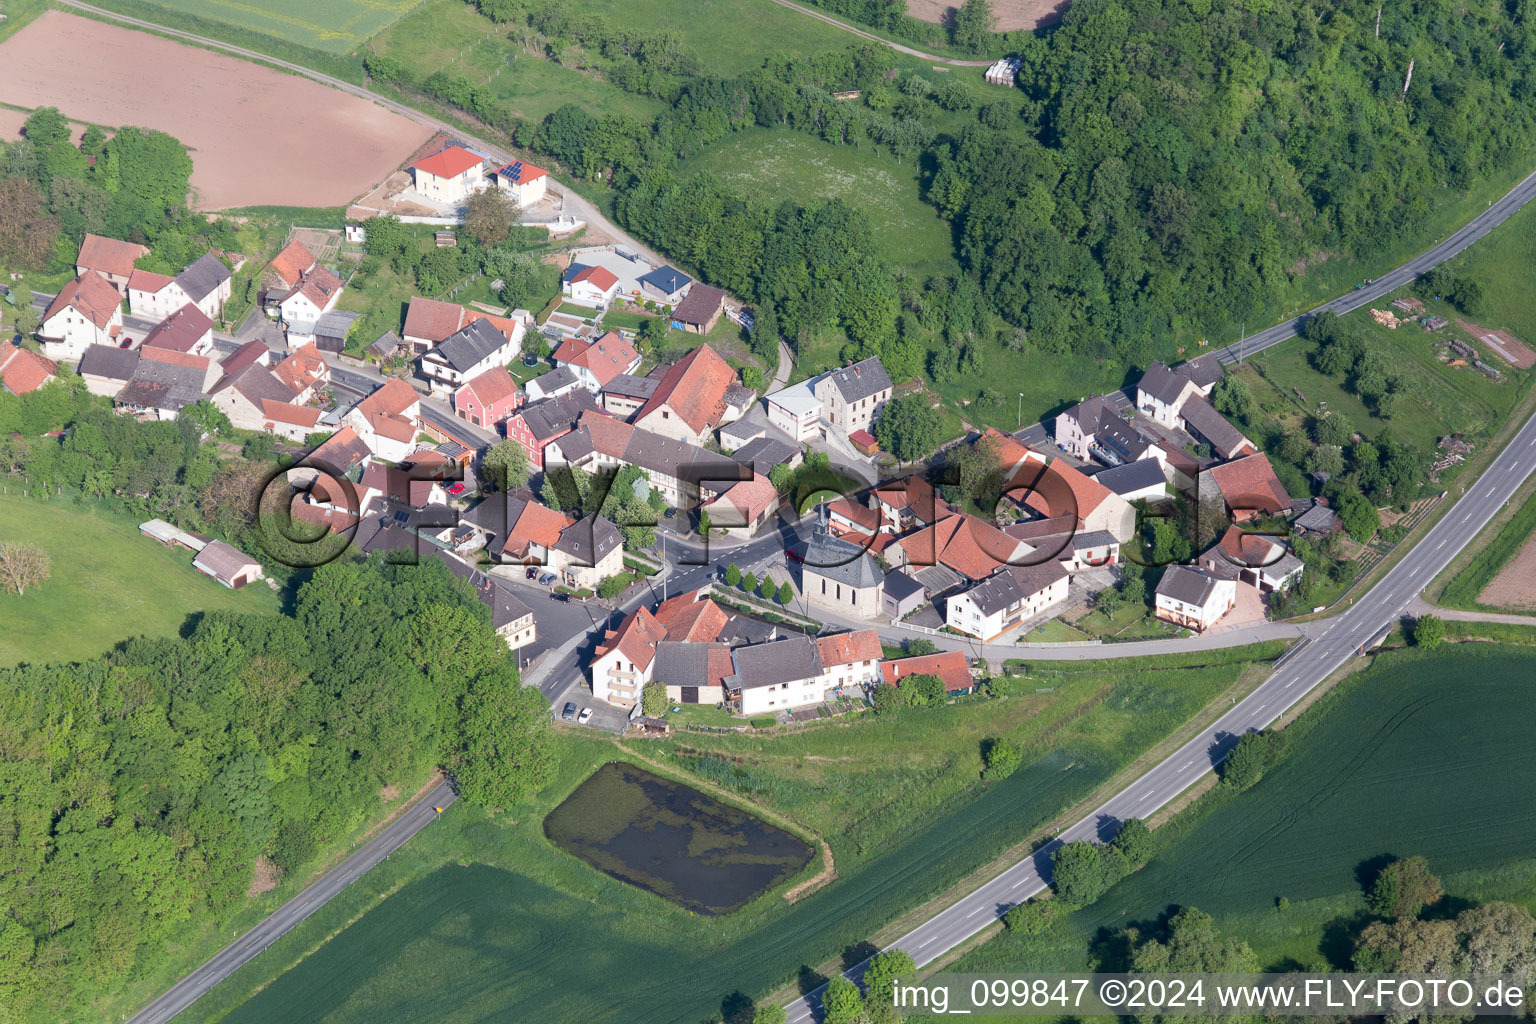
109,583
335,26
1420,755
483,916
767,166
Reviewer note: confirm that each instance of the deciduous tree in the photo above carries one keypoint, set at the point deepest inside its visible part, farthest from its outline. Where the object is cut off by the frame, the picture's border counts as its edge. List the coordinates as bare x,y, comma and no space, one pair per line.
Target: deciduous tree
23,566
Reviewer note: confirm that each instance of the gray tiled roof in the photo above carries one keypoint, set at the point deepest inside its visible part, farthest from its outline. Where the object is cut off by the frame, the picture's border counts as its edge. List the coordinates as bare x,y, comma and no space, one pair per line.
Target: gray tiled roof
1002,589
901,586
256,382
763,453
681,663
841,561
666,280
385,344
335,324
505,606
1201,417
560,377
549,416
1133,476
860,380
1089,413
158,385
109,361
589,540
630,386
469,347
1204,370
779,661
1185,584
1162,383
204,274
1120,437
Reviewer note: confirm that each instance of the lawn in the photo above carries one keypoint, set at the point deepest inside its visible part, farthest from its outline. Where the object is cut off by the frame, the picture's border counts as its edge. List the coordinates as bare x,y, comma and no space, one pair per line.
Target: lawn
1416,756
767,166
109,583
524,926
1129,622
617,318
450,35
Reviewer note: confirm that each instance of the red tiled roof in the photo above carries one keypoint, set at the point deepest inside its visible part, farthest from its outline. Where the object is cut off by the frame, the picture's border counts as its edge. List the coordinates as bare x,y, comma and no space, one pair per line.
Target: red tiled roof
392,399
109,255
319,285
1250,484
449,162
599,277
287,412
947,665
246,355
24,371
181,331
507,326
144,281
968,545
339,452
302,368
493,386
867,518
847,648
687,617
863,437
751,497
292,262
520,172
1251,549
694,389
606,358
175,357
636,638
392,426
432,319
91,294
535,524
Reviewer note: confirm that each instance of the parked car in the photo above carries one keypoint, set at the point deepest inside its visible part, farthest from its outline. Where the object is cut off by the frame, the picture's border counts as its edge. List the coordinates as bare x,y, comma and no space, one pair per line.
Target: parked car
456,488
547,579
585,716
533,573
569,712
793,555
555,595
670,513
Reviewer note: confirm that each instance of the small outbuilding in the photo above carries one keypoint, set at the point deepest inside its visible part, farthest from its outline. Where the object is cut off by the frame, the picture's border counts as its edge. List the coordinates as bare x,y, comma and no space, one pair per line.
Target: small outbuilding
228,565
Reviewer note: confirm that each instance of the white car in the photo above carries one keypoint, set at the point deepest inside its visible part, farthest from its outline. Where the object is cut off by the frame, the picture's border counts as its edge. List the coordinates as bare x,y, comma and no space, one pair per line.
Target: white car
585,716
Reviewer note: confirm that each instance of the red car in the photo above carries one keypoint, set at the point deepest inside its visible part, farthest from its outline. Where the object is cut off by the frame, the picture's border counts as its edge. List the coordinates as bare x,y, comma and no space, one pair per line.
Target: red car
794,556
456,488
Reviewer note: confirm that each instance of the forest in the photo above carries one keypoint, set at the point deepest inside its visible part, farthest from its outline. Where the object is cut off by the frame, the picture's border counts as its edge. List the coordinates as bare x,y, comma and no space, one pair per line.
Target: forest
137,791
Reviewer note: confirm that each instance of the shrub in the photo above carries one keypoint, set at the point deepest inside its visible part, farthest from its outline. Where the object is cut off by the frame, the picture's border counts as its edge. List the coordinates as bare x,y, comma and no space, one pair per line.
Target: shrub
1030,918
1428,632
1002,758
1134,840
653,699
1247,762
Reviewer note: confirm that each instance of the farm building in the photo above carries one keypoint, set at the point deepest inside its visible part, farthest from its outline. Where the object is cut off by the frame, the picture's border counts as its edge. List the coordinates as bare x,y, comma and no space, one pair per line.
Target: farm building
228,565
1004,72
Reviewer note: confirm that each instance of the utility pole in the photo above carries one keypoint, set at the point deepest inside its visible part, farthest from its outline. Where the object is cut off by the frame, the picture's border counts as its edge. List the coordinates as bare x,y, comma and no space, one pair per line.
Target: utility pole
1020,419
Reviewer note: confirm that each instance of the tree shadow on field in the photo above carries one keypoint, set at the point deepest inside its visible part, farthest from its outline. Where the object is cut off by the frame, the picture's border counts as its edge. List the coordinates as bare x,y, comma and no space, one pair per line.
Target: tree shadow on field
858,953
1110,950
809,980
737,1008
1339,936
1367,871
1447,909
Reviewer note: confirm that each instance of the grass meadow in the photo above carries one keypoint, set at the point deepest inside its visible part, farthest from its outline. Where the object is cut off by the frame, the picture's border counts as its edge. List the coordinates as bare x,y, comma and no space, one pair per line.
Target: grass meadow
1499,542
332,26
1418,755
483,915
451,36
769,165
109,583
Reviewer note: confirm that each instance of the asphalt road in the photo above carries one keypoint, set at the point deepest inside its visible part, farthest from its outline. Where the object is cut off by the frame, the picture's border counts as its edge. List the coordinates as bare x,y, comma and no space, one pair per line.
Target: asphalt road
1497,212
1302,669
246,948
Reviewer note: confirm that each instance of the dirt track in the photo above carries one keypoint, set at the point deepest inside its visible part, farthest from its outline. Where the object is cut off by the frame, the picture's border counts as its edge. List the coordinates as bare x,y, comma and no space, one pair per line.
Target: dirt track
257,137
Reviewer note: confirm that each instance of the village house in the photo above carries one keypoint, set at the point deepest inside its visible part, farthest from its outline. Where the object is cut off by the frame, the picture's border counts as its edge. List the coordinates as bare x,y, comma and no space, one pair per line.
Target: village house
1246,489
299,291
948,666
386,420
111,258
1094,429
841,576
449,175
1192,599
304,373
795,672
684,473
762,454
229,566
342,455
290,421
796,411
23,371
589,286
1007,599
1053,488
186,330
903,595
541,422
559,381
665,285
1143,480
1204,372
693,672
86,311
852,397
700,310
525,183
521,532
1202,422
745,505
908,503
430,322
512,620
622,663
625,394
106,369
244,396
596,363
419,481
692,618
488,399
1260,561
205,283
158,389
469,352
695,396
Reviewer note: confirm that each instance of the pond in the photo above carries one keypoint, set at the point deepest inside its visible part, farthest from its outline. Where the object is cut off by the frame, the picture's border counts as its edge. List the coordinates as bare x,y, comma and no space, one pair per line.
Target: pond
672,840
